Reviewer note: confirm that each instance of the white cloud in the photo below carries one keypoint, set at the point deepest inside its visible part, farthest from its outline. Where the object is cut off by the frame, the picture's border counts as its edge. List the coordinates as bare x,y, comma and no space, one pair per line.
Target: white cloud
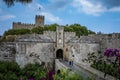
51,18
6,17
39,9
35,6
114,9
93,7
89,7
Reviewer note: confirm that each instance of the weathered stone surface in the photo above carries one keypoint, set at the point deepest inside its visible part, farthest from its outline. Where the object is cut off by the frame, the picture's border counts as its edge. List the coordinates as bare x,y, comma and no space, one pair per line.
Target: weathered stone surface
36,47
7,51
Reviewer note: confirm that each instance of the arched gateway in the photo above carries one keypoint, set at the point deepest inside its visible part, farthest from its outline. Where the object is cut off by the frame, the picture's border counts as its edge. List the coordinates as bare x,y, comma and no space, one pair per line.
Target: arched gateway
59,54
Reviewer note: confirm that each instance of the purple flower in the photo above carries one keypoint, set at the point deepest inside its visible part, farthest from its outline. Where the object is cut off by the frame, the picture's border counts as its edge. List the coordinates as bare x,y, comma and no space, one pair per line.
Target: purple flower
108,60
42,78
119,71
50,74
31,79
116,51
110,52
118,55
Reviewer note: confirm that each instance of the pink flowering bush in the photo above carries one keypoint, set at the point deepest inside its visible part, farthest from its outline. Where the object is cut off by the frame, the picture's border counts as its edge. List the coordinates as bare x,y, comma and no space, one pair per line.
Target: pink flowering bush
107,62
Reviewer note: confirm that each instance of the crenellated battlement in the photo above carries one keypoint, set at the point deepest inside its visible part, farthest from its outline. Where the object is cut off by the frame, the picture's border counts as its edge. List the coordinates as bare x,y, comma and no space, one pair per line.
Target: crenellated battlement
19,25
39,16
39,21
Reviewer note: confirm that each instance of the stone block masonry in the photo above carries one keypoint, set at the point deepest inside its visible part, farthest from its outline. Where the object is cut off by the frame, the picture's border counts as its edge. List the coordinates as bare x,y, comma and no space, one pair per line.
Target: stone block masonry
39,21
7,51
44,46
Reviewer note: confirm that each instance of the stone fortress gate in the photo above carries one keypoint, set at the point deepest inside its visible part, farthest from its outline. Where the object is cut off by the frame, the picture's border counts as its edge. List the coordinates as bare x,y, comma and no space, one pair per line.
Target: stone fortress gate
51,45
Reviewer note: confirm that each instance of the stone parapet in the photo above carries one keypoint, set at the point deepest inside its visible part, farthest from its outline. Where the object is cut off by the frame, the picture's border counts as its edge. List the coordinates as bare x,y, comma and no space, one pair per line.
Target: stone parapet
98,74
59,65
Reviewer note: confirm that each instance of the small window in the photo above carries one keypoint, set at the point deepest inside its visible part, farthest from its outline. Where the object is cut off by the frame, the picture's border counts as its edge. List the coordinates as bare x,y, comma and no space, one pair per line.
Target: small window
60,40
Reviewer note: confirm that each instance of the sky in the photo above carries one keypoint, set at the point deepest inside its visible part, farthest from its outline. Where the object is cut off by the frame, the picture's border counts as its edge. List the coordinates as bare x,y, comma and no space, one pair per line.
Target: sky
97,15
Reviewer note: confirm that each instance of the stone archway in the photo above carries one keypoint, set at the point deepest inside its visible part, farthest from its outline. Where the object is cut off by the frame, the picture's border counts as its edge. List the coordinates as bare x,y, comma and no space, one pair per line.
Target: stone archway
59,54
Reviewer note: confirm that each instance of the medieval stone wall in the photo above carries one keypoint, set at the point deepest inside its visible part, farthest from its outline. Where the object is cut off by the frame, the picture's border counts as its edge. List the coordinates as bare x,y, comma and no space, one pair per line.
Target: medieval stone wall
112,42
88,44
94,43
35,48
47,37
7,51
41,47
107,41
81,47
50,35
20,25
39,21
69,36
32,52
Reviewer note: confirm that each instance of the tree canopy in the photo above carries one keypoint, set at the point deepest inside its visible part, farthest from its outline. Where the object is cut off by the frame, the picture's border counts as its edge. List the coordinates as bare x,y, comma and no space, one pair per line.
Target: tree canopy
80,30
10,3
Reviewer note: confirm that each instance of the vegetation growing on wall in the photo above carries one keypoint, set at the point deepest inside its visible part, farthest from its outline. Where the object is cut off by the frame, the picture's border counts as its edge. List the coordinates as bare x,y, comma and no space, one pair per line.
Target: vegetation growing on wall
107,62
17,32
77,28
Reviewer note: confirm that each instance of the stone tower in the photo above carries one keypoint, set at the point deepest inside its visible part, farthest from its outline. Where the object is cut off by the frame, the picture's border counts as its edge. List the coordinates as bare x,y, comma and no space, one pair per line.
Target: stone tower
59,50
60,31
39,20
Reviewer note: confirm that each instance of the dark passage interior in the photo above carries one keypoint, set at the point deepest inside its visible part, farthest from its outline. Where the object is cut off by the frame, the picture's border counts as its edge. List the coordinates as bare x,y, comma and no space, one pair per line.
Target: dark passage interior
59,54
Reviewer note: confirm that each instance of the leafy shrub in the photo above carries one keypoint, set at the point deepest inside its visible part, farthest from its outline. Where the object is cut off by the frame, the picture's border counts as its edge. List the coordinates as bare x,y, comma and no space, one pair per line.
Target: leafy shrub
77,28
17,32
65,74
35,71
9,70
108,62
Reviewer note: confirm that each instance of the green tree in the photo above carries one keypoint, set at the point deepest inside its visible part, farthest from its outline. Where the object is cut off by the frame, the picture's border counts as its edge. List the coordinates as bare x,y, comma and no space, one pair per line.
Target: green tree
90,32
80,30
51,27
77,28
10,3
17,32
38,30
68,29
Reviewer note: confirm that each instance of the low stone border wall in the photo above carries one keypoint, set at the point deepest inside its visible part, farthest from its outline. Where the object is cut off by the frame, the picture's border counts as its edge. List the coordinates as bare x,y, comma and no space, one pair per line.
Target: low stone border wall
59,65
99,74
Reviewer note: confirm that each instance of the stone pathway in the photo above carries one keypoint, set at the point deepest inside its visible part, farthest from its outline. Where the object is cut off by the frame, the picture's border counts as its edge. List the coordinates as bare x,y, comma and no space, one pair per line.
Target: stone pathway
86,71
77,69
